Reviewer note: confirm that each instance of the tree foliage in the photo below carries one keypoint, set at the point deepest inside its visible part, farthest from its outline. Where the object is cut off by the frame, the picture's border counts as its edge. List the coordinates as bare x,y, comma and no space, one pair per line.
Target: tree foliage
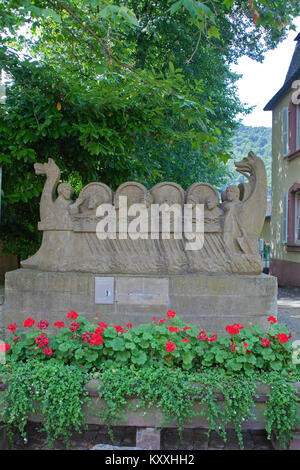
122,90
257,139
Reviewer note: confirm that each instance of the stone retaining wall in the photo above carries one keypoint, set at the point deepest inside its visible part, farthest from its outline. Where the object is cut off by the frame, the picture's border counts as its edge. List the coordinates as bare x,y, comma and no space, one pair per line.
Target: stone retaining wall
209,301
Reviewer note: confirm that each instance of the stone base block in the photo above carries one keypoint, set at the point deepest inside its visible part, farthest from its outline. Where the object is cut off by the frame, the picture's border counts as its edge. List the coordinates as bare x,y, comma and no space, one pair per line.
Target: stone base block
4,443
206,300
148,438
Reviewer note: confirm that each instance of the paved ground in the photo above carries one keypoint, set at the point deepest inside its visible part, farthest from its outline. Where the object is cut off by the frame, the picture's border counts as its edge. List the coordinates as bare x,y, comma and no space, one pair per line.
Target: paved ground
289,309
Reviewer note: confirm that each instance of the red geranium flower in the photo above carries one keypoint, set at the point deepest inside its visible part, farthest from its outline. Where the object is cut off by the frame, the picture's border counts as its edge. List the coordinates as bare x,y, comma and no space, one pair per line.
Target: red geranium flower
170,346
153,320
187,328
173,329
265,342
119,328
99,330
28,323
73,315
4,347
163,320
171,314
129,325
282,337
213,338
42,341
202,335
12,327
42,325
59,324
74,326
96,340
48,351
234,329
86,336
232,346
186,340
272,320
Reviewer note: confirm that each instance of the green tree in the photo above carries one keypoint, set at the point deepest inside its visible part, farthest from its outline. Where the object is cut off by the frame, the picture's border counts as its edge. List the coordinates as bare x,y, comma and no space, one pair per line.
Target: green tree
122,90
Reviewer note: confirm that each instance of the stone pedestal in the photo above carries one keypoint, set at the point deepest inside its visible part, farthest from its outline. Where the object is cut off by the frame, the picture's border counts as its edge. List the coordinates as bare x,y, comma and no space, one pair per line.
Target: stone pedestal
209,301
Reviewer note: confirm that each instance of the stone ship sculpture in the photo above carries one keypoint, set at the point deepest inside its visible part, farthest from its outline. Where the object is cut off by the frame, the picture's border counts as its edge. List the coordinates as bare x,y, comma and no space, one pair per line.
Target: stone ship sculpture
232,227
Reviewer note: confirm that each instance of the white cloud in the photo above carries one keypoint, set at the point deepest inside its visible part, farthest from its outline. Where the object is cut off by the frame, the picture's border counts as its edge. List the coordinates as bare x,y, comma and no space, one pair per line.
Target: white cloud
261,81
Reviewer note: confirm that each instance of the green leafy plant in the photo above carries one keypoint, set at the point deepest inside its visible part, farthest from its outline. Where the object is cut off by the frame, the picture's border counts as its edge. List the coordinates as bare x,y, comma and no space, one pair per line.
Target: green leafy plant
53,391
168,340
173,366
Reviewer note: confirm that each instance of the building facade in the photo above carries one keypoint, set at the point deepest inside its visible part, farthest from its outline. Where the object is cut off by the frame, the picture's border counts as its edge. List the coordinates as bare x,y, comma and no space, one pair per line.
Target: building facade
285,219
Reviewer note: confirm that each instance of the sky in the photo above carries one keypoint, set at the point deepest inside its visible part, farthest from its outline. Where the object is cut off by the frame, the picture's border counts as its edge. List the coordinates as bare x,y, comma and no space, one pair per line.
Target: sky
262,80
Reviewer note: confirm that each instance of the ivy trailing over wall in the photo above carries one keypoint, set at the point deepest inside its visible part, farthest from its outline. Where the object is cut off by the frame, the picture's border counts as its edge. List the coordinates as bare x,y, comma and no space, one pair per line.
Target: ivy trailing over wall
57,393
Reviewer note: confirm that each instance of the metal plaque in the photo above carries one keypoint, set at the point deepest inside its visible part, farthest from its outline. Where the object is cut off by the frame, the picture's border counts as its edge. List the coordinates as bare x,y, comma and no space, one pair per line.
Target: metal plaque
104,290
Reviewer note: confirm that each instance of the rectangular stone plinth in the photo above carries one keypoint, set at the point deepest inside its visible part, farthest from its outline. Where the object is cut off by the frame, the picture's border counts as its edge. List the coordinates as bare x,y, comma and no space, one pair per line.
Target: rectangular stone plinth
208,301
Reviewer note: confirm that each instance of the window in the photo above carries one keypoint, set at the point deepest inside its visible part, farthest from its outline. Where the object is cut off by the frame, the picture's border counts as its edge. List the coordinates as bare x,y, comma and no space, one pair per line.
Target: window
298,128
285,131
293,218
297,217
284,219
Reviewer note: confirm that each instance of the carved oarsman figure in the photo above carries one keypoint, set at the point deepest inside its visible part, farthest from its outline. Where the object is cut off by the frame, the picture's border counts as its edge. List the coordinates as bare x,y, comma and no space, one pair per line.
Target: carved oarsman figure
234,233
212,215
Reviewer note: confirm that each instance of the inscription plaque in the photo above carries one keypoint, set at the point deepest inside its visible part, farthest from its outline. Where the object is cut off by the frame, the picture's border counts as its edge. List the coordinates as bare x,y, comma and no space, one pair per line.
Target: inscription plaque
104,290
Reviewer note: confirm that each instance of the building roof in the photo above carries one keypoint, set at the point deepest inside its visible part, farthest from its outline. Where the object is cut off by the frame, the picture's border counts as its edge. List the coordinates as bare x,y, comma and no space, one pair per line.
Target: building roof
292,75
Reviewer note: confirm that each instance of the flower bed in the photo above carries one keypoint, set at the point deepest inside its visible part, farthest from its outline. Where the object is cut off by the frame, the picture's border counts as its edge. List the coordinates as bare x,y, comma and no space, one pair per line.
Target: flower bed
180,376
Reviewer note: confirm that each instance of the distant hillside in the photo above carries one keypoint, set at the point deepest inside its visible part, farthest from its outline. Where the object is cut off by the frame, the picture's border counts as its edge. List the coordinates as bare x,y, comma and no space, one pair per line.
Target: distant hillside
257,139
